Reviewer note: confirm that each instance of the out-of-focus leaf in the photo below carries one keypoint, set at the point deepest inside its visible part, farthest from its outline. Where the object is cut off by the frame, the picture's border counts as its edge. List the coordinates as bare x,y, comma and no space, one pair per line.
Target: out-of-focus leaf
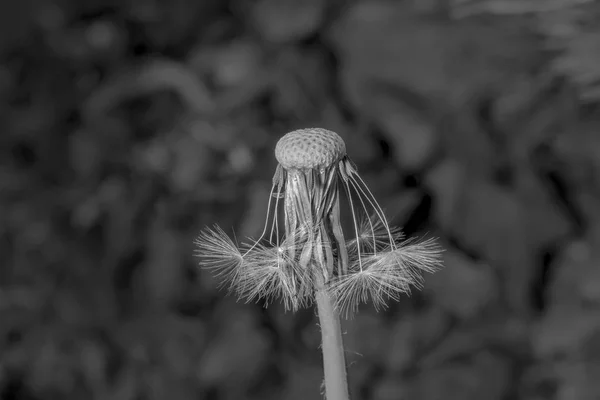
399,206
301,83
238,353
16,22
384,40
303,382
579,62
86,154
230,66
484,375
391,388
567,323
546,222
192,160
402,344
366,339
463,287
287,20
490,220
390,42
410,132
447,182
464,8
517,97
152,76
579,151
163,271
167,25
567,335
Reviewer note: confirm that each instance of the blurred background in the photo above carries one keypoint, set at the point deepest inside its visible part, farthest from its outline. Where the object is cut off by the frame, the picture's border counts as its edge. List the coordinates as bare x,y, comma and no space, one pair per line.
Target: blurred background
127,126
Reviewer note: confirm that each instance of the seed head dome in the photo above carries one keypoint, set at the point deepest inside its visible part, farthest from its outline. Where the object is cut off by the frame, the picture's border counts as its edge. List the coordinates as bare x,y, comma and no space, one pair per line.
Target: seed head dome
309,149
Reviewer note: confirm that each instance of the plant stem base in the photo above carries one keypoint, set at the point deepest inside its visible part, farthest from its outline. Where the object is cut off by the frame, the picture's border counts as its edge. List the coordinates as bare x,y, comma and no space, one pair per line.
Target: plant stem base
334,363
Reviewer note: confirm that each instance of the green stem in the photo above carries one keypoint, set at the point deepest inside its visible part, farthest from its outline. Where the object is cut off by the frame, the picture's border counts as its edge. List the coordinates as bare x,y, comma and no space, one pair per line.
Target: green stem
334,363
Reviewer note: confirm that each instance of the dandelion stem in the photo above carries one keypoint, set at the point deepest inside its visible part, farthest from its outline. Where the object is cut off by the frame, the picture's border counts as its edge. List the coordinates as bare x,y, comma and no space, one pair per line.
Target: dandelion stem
334,363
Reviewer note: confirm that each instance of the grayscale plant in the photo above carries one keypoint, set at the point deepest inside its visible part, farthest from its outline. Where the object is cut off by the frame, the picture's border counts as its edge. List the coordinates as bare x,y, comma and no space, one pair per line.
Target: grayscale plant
374,264
307,258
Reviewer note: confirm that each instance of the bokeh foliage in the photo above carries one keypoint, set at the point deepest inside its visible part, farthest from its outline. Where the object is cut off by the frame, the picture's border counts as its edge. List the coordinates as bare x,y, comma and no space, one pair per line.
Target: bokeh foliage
127,126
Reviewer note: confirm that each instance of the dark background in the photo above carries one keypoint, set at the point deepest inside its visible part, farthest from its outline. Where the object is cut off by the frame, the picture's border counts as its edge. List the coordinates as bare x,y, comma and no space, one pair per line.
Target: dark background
128,126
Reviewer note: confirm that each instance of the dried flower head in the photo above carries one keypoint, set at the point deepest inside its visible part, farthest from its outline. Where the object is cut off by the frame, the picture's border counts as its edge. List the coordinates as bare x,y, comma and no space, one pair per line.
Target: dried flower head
309,250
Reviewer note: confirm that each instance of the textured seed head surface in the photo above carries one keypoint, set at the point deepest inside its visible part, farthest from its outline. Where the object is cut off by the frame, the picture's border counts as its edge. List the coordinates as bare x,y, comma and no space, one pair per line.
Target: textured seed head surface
309,149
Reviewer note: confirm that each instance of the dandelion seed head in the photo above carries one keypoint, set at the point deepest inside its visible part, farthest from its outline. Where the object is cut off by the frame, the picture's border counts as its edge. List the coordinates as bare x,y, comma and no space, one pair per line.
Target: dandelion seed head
373,235
310,148
303,247
218,253
275,273
386,274
376,283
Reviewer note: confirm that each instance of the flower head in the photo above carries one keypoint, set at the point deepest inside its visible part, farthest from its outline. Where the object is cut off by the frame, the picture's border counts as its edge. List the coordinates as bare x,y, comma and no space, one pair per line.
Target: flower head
308,250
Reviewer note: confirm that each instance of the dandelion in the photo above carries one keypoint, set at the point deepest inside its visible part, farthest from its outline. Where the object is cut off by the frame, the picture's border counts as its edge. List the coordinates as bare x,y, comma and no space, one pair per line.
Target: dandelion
307,251
306,257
